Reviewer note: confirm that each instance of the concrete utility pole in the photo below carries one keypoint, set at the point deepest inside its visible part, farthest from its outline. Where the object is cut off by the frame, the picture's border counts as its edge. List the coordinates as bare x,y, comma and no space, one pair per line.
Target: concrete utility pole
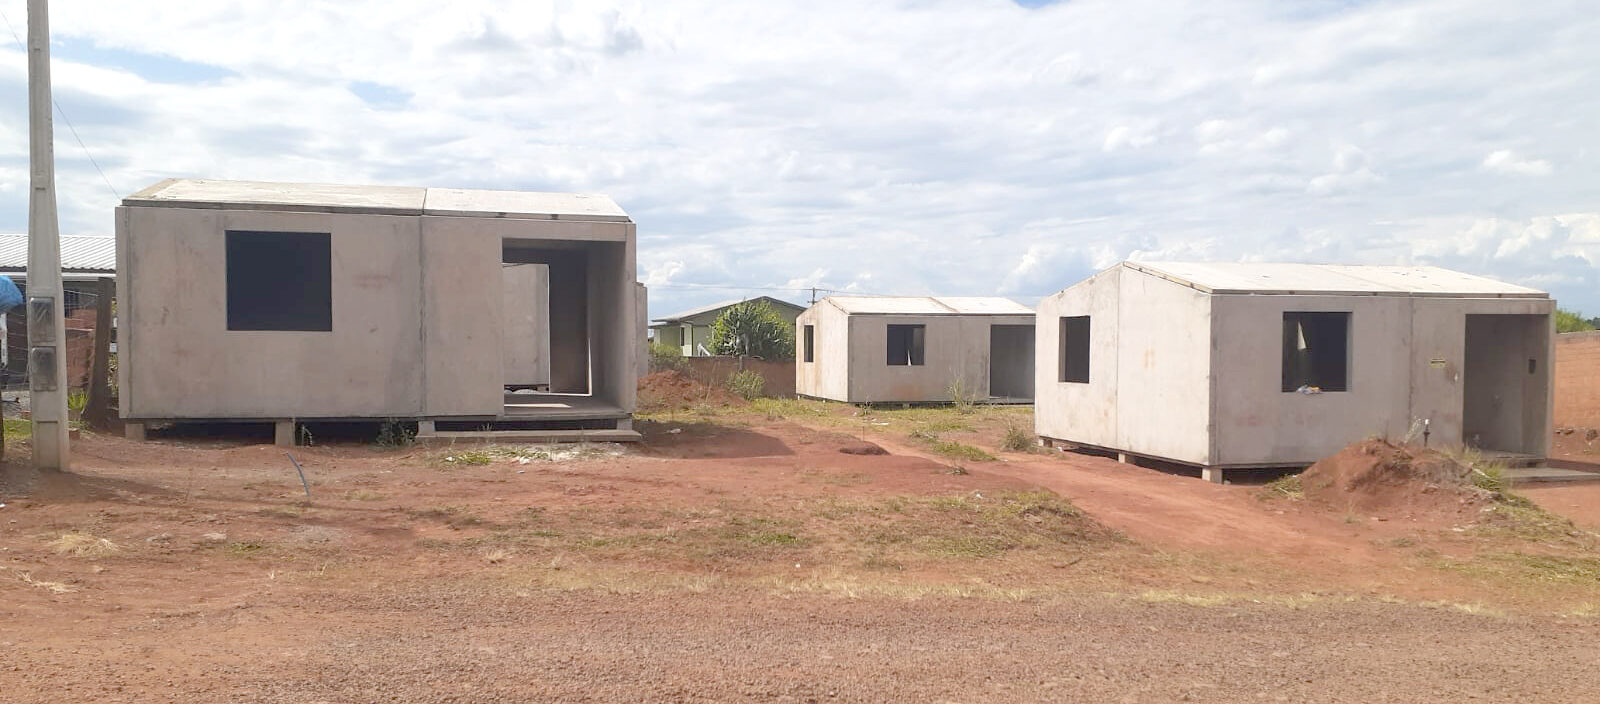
47,359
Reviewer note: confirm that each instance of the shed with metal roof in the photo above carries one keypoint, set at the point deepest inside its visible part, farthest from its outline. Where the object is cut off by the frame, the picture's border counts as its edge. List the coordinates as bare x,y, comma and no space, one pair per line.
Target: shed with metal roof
915,349
1247,365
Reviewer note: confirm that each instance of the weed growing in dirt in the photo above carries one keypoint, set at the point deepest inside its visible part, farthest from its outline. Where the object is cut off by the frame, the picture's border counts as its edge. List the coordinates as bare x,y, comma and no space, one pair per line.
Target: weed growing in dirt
746,384
951,448
1285,487
364,495
468,458
395,433
1016,440
78,544
962,399
245,547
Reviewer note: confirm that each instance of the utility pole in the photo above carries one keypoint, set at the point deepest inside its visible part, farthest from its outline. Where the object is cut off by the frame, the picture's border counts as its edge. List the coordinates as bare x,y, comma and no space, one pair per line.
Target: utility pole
47,360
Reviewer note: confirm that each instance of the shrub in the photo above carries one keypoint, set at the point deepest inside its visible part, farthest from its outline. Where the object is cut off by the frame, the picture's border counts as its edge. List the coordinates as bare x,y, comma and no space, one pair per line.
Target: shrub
665,357
753,329
395,433
1016,440
746,384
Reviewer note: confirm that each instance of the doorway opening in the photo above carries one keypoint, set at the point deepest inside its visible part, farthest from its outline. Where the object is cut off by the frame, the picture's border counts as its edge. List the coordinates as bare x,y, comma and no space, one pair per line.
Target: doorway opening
1011,362
1506,384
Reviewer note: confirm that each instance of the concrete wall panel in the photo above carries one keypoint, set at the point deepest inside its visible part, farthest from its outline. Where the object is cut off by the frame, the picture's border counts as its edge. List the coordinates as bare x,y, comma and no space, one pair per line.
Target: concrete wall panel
1083,413
181,361
1163,369
526,338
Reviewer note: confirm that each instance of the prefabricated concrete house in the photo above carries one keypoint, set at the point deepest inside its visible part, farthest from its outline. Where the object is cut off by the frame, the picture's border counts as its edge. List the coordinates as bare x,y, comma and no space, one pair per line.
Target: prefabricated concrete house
461,309
1225,366
690,330
881,349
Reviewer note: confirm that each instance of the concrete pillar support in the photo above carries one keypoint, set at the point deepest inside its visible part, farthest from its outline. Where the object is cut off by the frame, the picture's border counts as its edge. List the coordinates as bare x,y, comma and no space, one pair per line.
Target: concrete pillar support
1124,458
426,429
1212,474
133,431
283,433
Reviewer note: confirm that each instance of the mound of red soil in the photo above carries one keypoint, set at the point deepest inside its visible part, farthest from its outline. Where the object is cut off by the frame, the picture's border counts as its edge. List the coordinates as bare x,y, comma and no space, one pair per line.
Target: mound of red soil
863,448
1379,478
672,390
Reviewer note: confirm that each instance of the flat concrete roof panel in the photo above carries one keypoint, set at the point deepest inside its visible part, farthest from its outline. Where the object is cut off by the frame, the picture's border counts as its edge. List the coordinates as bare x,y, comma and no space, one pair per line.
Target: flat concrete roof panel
928,305
1331,279
306,197
377,200
523,205
984,305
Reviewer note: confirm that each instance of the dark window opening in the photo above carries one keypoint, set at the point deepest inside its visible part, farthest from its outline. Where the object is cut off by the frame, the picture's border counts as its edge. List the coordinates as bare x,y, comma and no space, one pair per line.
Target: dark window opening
810,342
1075,349
279,281
905,345
1316,351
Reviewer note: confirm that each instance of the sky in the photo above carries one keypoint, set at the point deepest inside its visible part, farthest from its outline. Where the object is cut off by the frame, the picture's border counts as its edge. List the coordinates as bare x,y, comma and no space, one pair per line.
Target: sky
948,147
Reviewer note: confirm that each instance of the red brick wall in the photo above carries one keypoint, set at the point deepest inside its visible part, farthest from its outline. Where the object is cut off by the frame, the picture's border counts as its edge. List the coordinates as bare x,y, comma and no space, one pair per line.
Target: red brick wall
1577,380
779,376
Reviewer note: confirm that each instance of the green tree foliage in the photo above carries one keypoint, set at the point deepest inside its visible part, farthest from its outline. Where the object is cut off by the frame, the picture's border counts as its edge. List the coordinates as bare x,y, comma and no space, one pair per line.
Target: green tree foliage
1572,321
753,329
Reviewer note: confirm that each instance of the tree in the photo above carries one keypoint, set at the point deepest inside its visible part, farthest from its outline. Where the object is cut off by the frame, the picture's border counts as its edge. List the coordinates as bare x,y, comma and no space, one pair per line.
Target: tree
1572,321
753,329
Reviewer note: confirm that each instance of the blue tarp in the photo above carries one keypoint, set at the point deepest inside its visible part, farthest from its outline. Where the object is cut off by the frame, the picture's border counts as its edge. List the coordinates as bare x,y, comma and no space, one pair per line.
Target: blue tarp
10,295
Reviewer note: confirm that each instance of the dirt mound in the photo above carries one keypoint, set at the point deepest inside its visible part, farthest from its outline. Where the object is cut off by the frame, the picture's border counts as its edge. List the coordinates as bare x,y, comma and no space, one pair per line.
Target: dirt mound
675,391
863,448
1379,478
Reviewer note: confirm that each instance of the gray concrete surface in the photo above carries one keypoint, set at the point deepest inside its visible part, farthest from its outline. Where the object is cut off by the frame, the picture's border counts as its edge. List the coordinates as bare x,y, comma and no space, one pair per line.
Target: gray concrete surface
1192,372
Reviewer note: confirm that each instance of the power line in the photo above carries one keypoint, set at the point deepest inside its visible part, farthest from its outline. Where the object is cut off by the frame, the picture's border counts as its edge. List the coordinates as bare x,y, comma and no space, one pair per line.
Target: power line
115,194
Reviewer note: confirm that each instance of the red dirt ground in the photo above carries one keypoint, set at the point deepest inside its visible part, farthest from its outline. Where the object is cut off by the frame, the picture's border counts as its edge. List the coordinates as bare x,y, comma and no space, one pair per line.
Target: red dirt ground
1378,478
671,390
397,582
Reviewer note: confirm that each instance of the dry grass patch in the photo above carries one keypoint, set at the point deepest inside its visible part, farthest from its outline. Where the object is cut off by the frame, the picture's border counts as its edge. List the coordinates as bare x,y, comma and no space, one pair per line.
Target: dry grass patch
78,544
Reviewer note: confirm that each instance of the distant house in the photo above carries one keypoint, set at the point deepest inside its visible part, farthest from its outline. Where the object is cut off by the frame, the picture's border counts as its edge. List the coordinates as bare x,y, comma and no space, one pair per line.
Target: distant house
84,259
861,349
690,330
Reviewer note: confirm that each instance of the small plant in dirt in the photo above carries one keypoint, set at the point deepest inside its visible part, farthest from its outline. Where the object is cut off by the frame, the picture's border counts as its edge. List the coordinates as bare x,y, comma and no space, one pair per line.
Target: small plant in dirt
364,495
1016,440
951,448
453,516
962,397
468,458
746,384
245,547
1284,487
395,433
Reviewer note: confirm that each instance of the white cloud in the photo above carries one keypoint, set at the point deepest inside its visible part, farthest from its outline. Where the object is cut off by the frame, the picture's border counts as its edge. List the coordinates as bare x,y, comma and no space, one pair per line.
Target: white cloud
1506,161
973,148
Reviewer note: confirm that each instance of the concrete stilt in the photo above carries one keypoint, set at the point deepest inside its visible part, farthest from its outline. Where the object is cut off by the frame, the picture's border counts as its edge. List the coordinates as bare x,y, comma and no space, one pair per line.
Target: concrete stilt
425,429
1212,474
1124,458
283,435
1046,442
133,431
625,423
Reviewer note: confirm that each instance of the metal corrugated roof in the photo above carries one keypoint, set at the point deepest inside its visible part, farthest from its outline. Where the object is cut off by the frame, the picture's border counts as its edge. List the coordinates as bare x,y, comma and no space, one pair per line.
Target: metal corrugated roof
89,253
692,312
928,305
378,200
1331,279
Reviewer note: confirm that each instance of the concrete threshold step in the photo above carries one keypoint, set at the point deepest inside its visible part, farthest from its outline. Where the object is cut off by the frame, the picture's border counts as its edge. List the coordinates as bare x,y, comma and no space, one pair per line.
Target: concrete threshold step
539,436
1549,475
